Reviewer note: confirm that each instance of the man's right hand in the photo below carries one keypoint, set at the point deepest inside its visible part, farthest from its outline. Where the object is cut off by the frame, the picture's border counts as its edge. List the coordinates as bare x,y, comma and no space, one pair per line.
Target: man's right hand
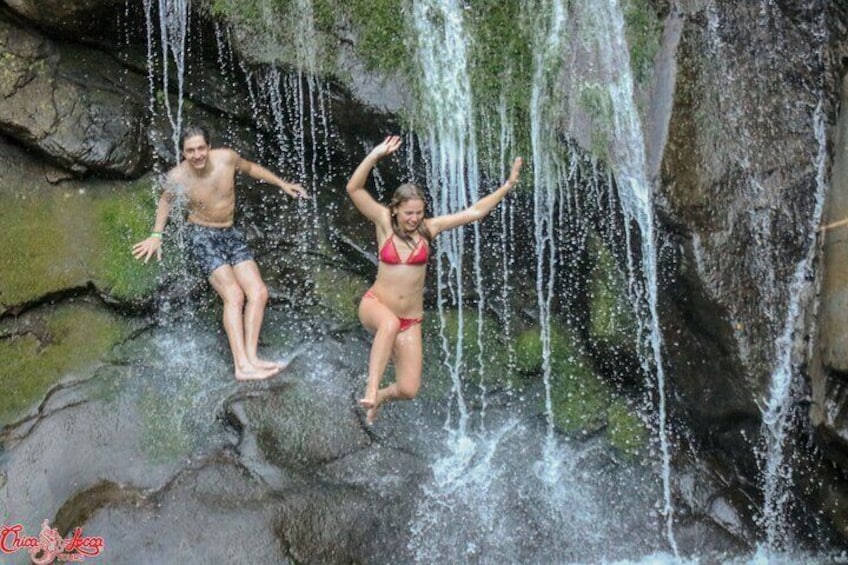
145,249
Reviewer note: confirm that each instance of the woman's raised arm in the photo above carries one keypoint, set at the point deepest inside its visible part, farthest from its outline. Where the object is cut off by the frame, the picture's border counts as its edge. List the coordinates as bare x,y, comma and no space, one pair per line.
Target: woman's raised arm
479,209
362,199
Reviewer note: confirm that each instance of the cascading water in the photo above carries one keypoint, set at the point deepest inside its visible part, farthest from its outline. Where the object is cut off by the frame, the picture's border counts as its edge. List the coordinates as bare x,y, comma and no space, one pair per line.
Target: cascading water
484,480
173,32
475,496
451,154
635,191
298,102
173,29
784,388
549,181
786,302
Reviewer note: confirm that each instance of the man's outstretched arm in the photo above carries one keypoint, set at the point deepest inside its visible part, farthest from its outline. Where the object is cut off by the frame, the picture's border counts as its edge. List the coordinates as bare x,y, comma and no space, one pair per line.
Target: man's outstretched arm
259,172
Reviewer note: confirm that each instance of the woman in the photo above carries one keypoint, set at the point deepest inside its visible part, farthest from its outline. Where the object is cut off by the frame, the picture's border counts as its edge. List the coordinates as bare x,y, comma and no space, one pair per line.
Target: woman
393,307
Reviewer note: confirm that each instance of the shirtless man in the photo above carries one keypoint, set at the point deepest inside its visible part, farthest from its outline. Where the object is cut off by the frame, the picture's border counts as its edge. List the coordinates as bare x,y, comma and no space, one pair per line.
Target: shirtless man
207,177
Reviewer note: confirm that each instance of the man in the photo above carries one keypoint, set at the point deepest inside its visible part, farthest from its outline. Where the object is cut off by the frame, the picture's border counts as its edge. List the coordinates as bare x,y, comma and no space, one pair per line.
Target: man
207,178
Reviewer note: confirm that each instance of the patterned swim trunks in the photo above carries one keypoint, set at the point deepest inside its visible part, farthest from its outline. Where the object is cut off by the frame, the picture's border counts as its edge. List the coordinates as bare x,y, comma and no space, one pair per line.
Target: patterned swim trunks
213,247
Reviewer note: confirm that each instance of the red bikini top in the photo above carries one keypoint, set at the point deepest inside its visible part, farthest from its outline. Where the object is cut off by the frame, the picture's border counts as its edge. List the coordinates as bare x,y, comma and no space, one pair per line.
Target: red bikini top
390,256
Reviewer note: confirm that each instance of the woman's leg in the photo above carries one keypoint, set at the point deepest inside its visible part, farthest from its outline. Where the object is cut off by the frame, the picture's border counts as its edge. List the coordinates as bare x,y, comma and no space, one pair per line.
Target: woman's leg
383,323
408,358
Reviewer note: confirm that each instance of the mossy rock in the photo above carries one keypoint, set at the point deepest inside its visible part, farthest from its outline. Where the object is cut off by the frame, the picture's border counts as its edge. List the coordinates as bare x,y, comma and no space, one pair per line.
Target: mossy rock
626,431
580,398
68,237
529,351
123,216
40,349
643,28
337,294
612,320
582,401
494,371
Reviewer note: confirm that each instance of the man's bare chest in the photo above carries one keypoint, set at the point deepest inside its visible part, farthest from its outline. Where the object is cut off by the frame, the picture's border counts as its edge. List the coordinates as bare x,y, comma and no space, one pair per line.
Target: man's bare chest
210,190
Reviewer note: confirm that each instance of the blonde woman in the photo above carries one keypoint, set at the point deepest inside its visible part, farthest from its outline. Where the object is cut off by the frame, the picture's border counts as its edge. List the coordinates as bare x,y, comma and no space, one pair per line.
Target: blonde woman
393,308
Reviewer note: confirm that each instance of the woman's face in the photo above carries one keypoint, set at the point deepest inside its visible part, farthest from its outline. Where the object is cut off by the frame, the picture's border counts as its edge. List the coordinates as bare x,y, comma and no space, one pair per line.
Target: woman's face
410,214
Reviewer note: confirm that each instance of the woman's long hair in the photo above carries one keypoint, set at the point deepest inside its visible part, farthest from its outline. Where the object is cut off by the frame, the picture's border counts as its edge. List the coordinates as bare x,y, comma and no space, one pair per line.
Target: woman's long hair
404,193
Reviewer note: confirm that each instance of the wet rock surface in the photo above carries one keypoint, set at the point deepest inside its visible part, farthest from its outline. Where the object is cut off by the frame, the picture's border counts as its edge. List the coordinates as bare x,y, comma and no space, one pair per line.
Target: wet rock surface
75,105
144,453
164,455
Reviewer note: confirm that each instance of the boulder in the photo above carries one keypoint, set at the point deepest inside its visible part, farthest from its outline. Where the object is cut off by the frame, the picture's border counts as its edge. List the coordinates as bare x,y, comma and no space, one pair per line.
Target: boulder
78,18
77,106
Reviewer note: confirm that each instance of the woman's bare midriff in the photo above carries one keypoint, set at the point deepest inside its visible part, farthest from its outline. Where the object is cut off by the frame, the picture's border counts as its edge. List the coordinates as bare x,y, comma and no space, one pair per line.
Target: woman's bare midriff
401,289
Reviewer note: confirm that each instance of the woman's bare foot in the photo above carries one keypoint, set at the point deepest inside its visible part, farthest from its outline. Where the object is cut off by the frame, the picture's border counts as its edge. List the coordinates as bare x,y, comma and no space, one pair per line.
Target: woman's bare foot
368,402
255,374
371,414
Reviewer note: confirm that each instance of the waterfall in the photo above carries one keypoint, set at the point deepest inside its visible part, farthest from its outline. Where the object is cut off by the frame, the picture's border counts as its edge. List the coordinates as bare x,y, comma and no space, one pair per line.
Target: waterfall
777,409
518,491
297,103
449,149
451,154
635,191
548,181
506,245
171,29
173,32
228,67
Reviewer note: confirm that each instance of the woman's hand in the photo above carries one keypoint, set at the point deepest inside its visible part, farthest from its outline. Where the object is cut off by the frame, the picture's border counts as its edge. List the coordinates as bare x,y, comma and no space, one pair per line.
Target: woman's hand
514,173
391,144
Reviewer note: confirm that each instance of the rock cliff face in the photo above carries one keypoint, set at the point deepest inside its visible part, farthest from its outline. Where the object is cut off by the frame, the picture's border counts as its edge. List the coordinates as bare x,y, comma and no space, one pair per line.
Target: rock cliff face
739,186
743,178
77,106
744,123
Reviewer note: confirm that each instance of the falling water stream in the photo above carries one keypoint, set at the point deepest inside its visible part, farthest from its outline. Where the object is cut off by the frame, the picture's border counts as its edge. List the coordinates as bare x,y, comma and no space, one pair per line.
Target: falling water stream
451,153
629,164
784,387
173,33
453,174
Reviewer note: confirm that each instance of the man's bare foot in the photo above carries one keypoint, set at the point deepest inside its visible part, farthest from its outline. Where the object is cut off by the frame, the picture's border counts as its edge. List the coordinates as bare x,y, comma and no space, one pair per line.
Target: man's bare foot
262,364
255,374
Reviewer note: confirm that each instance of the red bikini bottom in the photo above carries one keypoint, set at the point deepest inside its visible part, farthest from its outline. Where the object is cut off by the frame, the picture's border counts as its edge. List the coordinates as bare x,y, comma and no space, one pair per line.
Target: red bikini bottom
405,323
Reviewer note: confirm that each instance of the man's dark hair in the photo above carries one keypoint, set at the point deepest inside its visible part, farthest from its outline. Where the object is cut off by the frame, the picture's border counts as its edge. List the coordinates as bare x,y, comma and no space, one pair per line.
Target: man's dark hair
192,130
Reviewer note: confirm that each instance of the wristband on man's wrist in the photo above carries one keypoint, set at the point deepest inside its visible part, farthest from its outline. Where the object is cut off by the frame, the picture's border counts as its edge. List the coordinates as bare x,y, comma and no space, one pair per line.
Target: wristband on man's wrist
156,234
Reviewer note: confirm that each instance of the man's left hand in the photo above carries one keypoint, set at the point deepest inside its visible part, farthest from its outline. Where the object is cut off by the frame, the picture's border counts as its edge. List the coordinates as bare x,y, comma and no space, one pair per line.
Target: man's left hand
294,190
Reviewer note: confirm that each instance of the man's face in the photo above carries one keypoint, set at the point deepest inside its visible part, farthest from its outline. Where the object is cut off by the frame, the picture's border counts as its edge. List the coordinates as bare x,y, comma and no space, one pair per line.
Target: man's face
195,151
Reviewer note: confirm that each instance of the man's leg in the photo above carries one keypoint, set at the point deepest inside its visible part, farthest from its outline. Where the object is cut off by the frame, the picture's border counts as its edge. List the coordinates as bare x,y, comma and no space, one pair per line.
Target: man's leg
225,283
256,295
